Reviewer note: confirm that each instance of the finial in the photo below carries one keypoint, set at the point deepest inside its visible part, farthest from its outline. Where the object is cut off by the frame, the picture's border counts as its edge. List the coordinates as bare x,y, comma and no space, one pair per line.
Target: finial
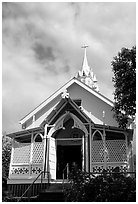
103,113
94,79
65,94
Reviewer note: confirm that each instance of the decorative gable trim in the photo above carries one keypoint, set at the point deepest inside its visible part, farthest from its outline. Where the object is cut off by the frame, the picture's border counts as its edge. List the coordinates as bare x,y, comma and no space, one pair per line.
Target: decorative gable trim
59,108
60,124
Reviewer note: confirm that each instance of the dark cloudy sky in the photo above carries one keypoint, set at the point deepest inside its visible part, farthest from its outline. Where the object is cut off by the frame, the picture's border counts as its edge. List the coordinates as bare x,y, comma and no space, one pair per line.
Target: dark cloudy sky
41,47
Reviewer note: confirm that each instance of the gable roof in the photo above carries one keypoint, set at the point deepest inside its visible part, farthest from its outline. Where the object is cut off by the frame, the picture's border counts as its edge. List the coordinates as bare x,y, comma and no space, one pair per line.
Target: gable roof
61,90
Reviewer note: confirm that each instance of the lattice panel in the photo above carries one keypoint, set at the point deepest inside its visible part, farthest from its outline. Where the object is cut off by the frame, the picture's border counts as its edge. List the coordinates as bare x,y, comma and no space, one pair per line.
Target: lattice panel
20,170
110,168
97,151
38,151
97,169
116,150
36,170
21,153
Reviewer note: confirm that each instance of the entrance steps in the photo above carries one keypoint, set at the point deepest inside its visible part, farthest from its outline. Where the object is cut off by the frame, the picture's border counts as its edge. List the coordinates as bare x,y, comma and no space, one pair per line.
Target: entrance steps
54,193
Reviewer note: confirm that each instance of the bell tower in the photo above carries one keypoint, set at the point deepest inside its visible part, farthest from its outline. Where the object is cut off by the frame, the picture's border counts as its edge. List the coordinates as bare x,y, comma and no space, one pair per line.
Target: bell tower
86,74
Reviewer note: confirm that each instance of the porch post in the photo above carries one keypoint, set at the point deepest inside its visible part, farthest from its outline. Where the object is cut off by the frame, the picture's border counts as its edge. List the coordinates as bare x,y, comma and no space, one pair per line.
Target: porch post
90,135
105,150
104,142
86,153
45,150
11,161
31,154
83,152
47,156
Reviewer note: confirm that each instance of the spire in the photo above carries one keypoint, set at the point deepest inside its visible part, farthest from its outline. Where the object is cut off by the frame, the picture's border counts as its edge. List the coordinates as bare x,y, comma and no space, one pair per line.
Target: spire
85,66
86,74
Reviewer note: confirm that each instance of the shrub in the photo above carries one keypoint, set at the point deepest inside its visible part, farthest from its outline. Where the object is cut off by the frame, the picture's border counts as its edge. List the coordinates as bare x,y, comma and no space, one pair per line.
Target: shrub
86,187
6,153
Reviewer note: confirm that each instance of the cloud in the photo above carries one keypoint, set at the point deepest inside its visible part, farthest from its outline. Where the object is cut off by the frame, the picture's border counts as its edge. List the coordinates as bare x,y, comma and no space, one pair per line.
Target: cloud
41,49
42,53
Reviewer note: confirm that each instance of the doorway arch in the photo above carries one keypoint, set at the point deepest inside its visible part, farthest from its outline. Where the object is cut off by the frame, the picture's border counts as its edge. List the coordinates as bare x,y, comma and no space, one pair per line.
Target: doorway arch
59,124
70,145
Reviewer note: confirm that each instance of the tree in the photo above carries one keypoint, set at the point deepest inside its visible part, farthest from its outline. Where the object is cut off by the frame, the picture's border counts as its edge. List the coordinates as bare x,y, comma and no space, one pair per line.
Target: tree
6,153
124,68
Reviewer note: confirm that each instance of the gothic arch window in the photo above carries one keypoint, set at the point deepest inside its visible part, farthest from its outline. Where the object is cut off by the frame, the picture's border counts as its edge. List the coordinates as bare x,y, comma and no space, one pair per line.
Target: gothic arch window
37,151
97,135
97,150
38,138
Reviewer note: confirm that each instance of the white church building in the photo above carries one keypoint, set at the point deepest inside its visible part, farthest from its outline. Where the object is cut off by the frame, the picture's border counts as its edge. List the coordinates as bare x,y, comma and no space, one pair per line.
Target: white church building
75,125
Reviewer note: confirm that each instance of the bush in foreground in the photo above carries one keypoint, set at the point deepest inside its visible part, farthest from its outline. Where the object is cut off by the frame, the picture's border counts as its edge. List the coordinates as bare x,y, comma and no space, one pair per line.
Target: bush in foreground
104,188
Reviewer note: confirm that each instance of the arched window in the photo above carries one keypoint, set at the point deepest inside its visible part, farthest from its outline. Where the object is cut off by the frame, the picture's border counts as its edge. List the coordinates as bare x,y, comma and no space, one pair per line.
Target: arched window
97,150
38,138
97,135
38,148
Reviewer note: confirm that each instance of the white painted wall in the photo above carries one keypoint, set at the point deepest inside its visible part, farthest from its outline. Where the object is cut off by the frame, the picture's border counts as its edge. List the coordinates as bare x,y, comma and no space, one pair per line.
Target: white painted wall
93,104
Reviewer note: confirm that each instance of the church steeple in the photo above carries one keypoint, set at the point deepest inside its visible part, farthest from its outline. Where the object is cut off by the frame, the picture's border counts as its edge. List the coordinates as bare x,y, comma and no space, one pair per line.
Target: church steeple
85,66
86,74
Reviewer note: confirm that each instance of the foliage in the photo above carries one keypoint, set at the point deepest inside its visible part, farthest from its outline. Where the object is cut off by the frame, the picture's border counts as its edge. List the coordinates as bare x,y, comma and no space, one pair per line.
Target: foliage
124,68
7,196
104,188
6,153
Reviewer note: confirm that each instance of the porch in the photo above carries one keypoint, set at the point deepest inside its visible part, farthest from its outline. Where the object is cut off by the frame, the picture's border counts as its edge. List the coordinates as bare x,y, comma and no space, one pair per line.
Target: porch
50,150
93,147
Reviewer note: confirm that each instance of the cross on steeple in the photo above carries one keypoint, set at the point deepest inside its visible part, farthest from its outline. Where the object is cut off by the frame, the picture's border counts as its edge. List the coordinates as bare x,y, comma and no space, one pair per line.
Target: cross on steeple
84,46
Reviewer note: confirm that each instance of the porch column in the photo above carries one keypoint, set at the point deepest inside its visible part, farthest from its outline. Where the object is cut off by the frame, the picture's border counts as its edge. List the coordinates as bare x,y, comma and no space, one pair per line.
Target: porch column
104,142
45,151
11,161
83,153
105,149
31,155
86,153
90,139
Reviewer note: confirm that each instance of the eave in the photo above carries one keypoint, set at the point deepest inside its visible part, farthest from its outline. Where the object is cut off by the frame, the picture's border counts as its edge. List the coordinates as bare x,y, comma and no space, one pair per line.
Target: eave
24,133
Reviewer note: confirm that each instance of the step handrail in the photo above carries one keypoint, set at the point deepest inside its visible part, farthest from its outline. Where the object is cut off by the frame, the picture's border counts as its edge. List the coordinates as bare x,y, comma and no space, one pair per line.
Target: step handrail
63,173
40,174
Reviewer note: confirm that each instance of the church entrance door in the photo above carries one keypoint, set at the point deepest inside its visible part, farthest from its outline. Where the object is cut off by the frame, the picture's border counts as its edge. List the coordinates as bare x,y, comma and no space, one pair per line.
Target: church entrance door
71,154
